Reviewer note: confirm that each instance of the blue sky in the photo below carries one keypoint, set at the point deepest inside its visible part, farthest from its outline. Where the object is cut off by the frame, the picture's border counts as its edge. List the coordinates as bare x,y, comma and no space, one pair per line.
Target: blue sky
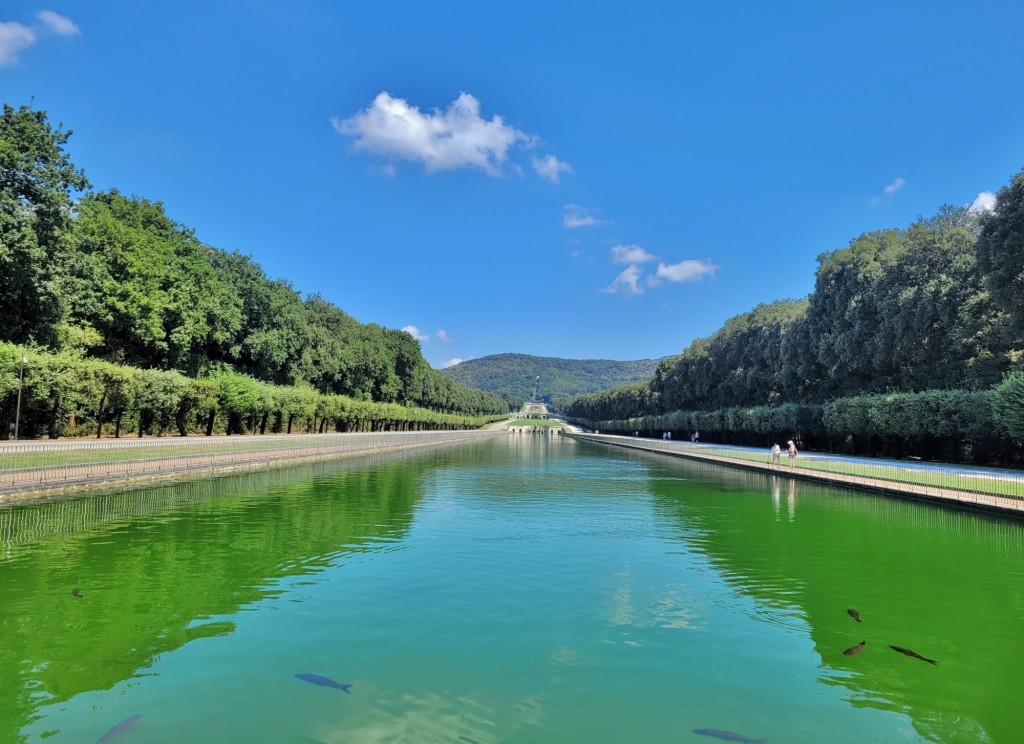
580,180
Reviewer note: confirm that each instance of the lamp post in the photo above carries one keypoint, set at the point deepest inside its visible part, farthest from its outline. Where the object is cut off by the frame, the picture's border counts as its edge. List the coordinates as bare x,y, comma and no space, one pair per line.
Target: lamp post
17,410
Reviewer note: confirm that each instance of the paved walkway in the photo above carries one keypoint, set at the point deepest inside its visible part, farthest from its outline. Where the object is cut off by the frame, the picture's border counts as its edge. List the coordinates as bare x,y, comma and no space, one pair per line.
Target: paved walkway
950,496
23,484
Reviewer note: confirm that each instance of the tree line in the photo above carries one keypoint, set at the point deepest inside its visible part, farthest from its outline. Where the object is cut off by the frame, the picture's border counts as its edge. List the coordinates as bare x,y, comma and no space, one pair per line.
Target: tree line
65,394
911,343
106,277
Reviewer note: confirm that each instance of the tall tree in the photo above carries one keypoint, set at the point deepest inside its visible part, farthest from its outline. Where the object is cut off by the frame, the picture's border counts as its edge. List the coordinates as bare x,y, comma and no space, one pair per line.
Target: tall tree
844,312
37,179
145,284
1001,256
269,341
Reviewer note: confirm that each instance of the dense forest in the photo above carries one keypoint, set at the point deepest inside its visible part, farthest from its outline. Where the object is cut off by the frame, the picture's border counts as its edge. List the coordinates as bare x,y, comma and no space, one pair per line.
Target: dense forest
911,344
125,316
515,377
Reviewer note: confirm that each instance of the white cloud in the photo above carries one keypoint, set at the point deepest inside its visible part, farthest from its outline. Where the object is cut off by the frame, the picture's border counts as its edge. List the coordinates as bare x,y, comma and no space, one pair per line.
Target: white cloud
452,362
16,36
630,254
686,271
442,336
416,333
13,38
457,137
574,215
551,168
57,23
983,202
895,186
626,282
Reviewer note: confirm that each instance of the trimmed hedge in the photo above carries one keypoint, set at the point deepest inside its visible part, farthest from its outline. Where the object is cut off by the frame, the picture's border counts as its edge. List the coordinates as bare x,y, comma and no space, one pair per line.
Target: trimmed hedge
963,425
66,395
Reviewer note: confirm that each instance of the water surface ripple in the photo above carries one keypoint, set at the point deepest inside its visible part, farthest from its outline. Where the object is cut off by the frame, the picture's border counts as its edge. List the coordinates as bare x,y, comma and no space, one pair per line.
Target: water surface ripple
534,590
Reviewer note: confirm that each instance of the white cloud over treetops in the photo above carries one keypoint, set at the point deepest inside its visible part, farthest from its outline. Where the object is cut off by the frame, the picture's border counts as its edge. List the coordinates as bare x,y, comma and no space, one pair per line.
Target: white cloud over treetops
458,137
573,216
452,362
686,271
551,168
626,283
15,36
631,254
442,336
57,23
983,202
416,333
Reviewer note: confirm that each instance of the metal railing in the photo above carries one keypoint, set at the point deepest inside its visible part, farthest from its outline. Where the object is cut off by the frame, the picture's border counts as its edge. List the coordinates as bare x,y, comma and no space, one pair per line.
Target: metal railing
1002,489
27,466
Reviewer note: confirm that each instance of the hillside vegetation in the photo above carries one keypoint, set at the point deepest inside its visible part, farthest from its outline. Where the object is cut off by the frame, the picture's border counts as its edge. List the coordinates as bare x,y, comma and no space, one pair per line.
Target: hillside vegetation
912,343
124,313
513,376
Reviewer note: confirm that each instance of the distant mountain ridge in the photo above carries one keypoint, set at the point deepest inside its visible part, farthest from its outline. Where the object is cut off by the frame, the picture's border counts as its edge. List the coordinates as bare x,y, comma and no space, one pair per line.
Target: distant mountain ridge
513,376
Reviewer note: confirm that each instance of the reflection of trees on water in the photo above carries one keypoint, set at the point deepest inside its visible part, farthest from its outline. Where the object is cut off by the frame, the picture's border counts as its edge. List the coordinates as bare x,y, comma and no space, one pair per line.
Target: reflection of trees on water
154,565
70,515
922,577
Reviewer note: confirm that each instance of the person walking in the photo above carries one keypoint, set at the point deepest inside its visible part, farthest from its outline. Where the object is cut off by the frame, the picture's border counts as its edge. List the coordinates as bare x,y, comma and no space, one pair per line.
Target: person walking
776,453
792,453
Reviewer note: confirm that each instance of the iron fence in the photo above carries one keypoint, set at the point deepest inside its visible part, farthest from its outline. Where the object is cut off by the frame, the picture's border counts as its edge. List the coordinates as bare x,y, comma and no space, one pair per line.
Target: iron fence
25,466
997,488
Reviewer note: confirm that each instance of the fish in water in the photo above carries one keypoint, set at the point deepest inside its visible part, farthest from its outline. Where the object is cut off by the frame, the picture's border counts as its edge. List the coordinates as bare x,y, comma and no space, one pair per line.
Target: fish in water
854,650
76,592
318,679
728,736
908,652
126,725
854,614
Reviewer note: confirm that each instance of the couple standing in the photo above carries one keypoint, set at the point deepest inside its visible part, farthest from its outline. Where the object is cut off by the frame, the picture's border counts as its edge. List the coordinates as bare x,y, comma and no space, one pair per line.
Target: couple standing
777,453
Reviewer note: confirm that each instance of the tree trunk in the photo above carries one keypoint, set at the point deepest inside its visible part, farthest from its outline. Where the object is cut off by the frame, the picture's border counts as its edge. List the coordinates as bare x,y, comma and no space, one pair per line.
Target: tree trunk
209,422
181,421
58,407
145,421
99,415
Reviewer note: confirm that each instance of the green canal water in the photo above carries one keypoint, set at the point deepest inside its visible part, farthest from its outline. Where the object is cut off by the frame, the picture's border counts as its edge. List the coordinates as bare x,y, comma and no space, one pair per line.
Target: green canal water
509,591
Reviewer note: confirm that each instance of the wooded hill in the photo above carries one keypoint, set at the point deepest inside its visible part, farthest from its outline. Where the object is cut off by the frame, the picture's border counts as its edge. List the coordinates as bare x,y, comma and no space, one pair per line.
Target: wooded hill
912,343
513,376
103,277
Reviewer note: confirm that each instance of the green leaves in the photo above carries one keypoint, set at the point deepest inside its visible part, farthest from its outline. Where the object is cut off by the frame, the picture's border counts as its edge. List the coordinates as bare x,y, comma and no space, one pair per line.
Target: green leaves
36,182
1008,404
66,394
1001,256
146,286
